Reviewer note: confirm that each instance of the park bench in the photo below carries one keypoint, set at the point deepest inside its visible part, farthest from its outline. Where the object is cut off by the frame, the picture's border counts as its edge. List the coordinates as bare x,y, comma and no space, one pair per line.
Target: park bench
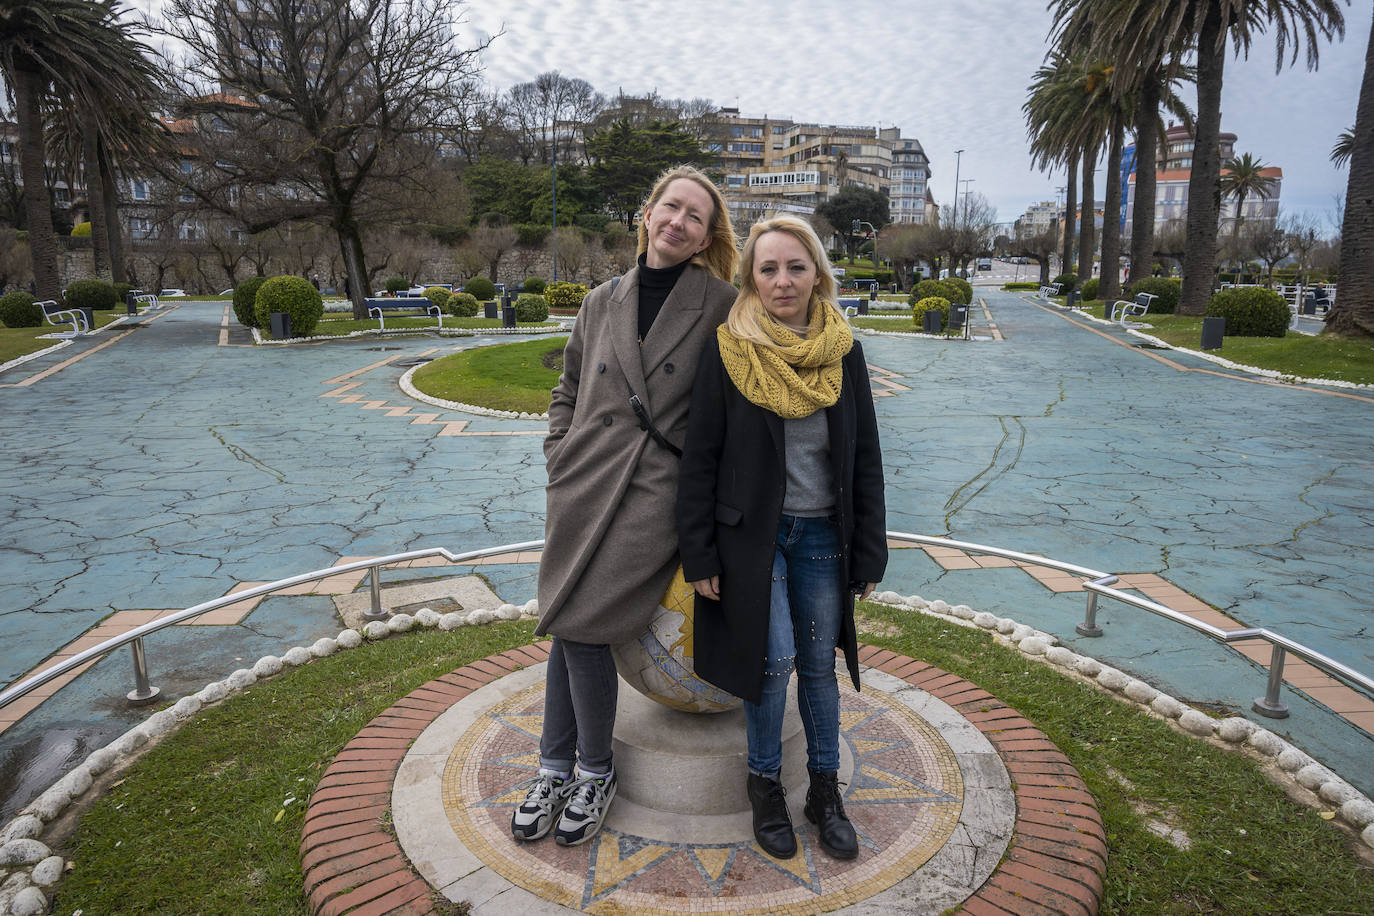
1124,308
1051,290
417,306
56,315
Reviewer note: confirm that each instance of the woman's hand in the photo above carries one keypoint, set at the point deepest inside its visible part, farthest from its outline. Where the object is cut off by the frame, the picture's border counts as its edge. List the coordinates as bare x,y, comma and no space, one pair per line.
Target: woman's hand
864,590
708,588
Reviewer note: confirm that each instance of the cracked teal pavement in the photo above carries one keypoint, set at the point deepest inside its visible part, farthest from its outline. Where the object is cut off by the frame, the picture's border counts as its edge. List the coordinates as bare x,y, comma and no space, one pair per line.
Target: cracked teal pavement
164,469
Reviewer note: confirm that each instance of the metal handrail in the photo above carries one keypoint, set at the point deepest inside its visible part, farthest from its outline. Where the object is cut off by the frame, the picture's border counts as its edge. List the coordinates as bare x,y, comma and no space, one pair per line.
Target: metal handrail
143,693
1097,583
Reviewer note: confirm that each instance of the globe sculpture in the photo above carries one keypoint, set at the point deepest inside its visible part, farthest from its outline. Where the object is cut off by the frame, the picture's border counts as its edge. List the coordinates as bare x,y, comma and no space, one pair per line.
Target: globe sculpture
659,663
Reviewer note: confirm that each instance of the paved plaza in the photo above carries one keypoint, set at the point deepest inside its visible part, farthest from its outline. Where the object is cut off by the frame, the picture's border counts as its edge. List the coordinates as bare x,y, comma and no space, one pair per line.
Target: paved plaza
155,467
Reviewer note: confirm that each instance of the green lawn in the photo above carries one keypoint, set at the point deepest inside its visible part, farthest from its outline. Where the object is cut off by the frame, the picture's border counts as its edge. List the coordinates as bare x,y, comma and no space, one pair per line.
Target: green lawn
1347,359
209,821
504,377
17,342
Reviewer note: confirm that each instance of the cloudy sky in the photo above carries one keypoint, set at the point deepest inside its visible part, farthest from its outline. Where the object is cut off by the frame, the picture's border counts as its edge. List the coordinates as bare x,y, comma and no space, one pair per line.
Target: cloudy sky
951,73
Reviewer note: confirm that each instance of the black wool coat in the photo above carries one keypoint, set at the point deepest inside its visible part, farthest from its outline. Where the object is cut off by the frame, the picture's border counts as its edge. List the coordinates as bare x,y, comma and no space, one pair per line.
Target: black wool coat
730,494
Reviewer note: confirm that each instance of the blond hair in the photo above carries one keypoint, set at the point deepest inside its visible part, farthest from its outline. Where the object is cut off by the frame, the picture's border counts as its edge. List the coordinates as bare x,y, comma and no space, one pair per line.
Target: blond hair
748,316
721,257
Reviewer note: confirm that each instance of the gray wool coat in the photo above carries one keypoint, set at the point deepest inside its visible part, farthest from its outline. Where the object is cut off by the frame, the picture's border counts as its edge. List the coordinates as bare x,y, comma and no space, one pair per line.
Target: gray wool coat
610,540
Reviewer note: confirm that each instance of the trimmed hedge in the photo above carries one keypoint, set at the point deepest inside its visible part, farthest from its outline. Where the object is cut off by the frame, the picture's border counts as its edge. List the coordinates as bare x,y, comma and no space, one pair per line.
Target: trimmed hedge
1251,312
297,297
1020,284
245,298
82,230
925,289
534,285
463,305
1066,282
1167,292
1090,288
480,287
437,295
962,289
565,295
91,294
531,308
396,284
20,310
930,304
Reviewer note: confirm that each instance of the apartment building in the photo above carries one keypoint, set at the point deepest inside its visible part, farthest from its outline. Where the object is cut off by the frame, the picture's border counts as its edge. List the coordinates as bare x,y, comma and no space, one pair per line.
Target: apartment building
1174,170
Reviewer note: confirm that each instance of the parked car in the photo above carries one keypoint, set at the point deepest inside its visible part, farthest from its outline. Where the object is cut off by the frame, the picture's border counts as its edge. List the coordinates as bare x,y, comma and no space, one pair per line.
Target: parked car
985,263
171,293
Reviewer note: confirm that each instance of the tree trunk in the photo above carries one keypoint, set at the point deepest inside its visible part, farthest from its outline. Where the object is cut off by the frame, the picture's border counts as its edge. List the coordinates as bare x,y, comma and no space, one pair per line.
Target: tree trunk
47,280
1109,287
1353,312
1146,152
95,194
1204,184
351,247
1070,206
114,232
1087,223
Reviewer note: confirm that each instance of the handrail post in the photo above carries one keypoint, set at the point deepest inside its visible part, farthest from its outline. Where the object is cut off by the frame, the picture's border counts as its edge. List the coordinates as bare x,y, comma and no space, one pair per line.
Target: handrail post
143,692
1089,625
376,611
1270,705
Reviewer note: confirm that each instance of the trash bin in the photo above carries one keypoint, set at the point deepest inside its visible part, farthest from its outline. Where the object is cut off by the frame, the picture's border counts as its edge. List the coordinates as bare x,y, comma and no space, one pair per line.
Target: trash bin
130,305
281,325
507,316
90,316
957,314
873,292
1309,305
1213,330
1071,300
930,322
863,306
489,309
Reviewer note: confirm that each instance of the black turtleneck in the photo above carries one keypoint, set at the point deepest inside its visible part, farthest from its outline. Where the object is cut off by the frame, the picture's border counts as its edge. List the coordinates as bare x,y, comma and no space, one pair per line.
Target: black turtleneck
655,284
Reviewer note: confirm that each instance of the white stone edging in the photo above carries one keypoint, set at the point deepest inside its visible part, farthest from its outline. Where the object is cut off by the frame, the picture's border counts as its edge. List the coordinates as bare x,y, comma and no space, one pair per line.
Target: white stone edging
30,870
409,388
1350,805
397,332
20,360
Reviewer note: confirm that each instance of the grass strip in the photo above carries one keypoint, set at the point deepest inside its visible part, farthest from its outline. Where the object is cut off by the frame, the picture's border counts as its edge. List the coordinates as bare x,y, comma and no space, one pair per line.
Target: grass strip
1251,851
503,377
1324,356
340,327
17,342
196,826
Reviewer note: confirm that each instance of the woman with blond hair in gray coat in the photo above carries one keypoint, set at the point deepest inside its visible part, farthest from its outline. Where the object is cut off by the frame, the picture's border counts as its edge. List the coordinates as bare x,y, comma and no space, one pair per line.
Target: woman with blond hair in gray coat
617,422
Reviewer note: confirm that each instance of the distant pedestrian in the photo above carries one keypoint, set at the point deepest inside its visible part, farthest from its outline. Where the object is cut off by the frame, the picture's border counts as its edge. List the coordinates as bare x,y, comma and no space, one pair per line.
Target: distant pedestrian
315,282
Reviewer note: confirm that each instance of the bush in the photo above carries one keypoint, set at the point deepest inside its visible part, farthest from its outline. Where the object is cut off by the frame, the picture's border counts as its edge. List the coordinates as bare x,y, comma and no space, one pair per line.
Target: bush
20,310
534,285
531,308
464,305
595,222
1066,282
395,284
245,297
122,291
925,289
957,290
297,297
565,295
482,288
437,295
1020,285
82,230
1090,288
1251,311
90,294
531,235
930,304
1167,292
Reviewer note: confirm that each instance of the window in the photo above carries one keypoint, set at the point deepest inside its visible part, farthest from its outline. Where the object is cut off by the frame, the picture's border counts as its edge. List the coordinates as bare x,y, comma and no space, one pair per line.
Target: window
140,189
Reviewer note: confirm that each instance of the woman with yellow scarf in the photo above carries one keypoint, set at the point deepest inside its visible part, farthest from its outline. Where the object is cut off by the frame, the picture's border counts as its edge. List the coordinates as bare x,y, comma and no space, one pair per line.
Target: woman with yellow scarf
781,520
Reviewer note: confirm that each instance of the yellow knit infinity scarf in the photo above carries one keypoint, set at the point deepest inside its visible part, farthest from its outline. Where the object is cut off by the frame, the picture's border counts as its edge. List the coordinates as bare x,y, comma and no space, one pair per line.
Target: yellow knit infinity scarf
798,377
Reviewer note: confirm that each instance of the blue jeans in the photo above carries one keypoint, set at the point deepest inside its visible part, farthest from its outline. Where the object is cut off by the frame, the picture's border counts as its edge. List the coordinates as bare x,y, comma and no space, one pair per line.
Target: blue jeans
580,693
803,631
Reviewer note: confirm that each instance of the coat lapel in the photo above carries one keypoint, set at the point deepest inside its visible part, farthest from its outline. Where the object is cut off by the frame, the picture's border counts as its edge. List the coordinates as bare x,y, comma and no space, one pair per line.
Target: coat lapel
624,330
680,313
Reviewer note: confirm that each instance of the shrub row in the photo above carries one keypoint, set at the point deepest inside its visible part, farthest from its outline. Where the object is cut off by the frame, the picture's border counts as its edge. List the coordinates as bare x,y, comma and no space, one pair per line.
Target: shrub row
1251,311
930,304
953,289
565,295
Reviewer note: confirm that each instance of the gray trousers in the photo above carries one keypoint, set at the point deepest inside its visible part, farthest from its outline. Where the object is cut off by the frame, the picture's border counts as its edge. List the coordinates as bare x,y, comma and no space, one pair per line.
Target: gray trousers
580,692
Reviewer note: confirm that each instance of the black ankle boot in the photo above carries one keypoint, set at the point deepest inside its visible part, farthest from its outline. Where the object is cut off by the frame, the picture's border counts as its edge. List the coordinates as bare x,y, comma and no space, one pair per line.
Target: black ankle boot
825,809
772,825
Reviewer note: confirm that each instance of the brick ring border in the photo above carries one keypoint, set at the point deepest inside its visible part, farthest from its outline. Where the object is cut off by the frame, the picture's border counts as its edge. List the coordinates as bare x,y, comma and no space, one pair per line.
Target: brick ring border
352,865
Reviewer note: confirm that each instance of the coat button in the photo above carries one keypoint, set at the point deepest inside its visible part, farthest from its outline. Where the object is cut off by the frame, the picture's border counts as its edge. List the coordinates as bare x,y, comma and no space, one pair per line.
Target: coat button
600,367
668,368
606,420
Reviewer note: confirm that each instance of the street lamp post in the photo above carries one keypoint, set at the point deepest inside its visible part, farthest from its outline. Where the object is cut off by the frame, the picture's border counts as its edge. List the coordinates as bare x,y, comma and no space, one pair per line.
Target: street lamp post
553,160
966,182
958,158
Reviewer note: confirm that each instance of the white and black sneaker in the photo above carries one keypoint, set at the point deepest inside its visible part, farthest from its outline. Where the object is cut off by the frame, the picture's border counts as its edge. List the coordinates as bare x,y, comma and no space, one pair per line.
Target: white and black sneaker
536,815
590,796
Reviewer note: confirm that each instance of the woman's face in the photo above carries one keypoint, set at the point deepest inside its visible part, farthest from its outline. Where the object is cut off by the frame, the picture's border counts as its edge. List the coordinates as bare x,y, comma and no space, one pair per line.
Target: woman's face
785,277
679,224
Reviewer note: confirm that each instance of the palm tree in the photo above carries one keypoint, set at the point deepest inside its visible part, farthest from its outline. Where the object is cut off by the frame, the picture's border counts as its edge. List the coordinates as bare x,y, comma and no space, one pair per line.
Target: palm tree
1054,119
79,51
1345,145
1353,312
1142,34
1244,177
